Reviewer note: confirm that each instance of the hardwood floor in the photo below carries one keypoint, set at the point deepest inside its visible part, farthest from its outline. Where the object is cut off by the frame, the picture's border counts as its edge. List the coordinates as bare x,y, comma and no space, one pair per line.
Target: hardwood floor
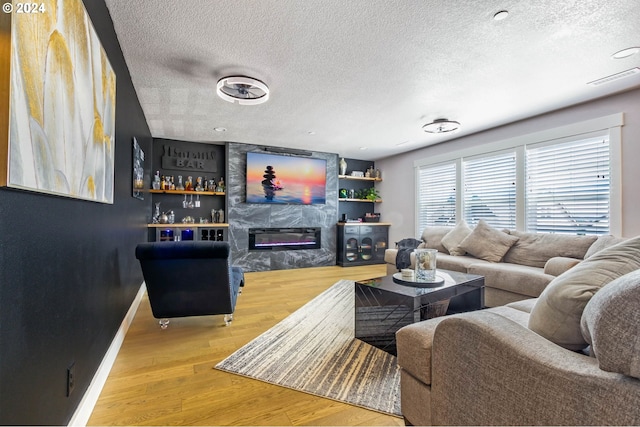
167,377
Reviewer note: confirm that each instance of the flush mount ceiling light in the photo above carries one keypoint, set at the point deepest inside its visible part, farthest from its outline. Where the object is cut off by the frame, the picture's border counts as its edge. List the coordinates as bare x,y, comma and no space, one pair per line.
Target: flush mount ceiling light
499,16
242,90
441,126
625,53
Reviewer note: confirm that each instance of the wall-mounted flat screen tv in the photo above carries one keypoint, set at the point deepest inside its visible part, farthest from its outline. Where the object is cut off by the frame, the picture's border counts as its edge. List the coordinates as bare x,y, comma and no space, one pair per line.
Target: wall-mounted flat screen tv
281,179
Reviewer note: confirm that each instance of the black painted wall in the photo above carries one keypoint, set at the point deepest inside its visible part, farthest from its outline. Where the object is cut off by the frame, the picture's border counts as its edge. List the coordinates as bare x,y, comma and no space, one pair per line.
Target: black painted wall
68,273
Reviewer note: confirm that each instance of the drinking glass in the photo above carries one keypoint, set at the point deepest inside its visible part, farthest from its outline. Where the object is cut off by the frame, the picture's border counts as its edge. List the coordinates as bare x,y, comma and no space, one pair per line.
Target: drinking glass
426,265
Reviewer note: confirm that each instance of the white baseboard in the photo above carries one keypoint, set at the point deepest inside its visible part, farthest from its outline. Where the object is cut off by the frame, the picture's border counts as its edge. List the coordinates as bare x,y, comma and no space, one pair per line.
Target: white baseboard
90,398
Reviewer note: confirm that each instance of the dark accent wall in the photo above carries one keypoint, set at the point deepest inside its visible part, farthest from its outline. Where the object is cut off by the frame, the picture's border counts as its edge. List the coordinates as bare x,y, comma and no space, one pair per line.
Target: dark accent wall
68,273
242,216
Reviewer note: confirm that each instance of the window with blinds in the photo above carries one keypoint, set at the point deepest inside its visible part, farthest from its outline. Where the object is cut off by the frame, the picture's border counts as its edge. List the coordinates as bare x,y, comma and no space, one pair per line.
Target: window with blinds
436,195
490,190
568,187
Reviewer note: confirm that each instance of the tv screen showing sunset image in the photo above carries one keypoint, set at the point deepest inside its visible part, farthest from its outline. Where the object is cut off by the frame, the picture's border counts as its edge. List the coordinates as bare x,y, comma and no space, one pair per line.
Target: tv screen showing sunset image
273,178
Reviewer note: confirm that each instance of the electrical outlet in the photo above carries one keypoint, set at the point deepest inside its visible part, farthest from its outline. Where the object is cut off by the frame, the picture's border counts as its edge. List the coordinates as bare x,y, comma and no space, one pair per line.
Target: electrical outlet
71,378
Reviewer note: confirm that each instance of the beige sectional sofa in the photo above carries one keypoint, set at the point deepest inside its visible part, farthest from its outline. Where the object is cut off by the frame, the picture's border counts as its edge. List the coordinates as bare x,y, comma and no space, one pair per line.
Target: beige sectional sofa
529,261
569,357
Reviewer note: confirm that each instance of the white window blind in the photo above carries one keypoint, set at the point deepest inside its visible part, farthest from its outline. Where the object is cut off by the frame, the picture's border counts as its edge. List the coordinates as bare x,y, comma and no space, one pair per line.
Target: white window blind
437,195
490,190
568,187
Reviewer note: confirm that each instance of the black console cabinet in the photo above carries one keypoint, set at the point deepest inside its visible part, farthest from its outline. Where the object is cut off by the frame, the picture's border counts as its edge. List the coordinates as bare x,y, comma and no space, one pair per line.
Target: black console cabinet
362,243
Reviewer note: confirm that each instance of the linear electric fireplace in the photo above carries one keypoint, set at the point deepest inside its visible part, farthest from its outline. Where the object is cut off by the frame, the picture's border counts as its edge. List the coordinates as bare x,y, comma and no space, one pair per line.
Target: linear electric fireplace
270,239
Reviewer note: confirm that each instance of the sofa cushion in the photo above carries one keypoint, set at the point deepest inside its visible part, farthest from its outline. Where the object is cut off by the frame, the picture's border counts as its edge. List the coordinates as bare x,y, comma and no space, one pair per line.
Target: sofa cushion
488,243
611,324
520,279
457,263
525,305
535,249
557,313
390,256
559,264
414,342
432,237
603,242
453,238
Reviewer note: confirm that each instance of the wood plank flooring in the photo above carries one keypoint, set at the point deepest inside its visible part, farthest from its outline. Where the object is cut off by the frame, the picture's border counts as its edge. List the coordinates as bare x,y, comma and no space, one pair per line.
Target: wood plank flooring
167,377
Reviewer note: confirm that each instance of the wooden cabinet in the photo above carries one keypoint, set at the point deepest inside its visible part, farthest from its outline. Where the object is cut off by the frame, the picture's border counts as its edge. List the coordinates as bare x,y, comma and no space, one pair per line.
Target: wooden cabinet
362,243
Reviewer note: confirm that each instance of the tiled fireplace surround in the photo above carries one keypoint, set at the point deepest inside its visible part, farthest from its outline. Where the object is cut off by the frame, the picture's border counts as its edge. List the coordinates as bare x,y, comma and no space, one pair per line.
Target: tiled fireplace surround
242,216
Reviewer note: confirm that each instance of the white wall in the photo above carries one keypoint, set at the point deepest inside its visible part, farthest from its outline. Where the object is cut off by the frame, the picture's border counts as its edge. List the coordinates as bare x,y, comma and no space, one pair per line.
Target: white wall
398,186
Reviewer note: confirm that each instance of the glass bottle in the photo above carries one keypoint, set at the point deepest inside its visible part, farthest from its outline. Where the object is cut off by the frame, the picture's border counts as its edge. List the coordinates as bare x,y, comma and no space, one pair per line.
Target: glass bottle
156,214
180,185
156,181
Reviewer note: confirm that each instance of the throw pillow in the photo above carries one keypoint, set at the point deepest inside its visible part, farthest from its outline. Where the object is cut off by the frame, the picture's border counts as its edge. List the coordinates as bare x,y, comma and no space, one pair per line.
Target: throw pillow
556,315
603,242
610,324
535,249
488,243
432,236
451,241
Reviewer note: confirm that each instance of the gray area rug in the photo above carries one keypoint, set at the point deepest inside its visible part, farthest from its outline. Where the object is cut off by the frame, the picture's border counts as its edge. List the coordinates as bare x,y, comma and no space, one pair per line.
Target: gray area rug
314,351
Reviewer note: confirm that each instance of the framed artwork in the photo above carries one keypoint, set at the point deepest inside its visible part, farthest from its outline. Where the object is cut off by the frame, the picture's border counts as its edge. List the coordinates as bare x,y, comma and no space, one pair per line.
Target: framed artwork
138,170
59,106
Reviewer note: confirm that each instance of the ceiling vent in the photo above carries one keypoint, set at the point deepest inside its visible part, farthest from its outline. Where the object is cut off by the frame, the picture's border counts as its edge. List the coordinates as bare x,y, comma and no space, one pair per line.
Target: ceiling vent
242,90
441,126
615,77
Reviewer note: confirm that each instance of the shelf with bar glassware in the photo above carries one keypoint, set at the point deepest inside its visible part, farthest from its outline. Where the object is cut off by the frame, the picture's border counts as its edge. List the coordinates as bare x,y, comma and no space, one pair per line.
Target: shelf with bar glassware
189,231
202,193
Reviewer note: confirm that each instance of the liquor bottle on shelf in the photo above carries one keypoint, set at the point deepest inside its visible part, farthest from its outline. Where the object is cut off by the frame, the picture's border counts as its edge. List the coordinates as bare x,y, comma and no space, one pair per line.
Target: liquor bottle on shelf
180,185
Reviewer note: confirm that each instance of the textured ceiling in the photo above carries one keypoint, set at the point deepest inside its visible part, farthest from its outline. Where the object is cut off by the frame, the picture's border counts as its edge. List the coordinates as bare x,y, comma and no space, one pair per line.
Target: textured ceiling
368,73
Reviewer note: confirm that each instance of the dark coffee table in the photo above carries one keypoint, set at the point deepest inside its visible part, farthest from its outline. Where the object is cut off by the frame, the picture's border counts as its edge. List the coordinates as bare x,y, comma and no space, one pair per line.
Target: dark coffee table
383,306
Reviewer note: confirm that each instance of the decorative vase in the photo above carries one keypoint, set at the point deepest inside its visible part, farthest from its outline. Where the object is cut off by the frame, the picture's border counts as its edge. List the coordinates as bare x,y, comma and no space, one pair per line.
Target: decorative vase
156,214
425,265
343,166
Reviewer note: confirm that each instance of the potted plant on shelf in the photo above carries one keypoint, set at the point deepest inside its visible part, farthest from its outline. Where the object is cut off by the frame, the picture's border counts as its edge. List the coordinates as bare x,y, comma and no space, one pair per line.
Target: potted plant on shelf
369,194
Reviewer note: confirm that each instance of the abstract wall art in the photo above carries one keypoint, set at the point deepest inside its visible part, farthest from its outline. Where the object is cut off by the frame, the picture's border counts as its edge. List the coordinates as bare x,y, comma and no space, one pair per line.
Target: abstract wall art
60,104
138,170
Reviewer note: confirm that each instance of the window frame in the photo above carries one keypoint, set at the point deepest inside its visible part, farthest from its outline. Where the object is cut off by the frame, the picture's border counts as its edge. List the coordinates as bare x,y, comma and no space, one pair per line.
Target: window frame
611,125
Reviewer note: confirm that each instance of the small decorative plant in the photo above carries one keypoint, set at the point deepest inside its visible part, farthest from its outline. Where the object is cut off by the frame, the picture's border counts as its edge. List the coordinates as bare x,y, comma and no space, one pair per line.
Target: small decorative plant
370,194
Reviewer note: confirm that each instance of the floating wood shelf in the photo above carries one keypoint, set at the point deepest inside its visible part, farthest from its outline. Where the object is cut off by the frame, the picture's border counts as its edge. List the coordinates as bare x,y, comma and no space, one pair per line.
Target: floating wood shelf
361,200
201,193
359,178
